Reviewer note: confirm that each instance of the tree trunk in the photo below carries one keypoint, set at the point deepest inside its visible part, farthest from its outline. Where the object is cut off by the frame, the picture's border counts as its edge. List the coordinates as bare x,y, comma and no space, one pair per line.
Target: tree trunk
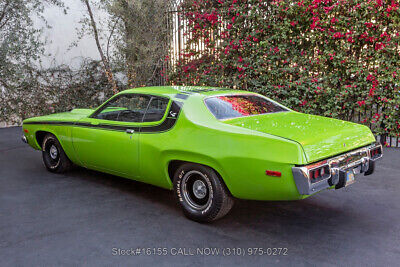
107,68
130,57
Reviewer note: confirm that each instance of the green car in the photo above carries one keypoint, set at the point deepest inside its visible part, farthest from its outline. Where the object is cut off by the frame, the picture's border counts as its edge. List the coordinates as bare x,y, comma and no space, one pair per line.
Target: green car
209,145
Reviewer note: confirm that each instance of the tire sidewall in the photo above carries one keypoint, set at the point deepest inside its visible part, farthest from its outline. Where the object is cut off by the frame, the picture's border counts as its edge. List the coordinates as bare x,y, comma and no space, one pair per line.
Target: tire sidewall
214,205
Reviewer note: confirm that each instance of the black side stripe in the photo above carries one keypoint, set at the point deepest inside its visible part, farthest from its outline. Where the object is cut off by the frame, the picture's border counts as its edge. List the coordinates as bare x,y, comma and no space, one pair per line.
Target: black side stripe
120,128
166,125
51,122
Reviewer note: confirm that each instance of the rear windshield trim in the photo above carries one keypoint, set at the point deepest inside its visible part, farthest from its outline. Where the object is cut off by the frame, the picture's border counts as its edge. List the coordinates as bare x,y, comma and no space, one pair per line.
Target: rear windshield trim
244,94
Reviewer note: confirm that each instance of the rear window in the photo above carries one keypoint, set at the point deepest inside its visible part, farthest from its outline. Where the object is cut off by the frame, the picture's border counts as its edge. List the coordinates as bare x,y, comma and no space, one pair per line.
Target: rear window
234,106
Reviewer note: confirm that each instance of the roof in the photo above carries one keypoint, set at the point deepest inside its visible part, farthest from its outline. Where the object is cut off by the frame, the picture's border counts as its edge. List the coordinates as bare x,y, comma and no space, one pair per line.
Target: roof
187,90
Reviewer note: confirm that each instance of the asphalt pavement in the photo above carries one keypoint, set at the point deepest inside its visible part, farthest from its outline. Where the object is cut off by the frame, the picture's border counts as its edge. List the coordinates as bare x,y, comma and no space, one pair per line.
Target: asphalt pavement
89,218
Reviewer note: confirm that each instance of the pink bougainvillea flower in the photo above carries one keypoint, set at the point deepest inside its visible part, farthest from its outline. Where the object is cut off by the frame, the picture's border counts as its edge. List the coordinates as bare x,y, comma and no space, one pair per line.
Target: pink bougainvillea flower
384,34
372,91
303,103
338,35
226,50
328,9
370,77
369,24
379,46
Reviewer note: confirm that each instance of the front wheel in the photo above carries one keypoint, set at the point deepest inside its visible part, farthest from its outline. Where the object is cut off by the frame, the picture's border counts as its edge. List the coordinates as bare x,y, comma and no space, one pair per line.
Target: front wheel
201,193
54,157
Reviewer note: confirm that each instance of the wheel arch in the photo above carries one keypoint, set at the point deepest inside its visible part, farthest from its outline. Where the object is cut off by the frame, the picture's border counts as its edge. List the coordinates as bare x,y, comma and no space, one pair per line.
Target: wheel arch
174,164
41,134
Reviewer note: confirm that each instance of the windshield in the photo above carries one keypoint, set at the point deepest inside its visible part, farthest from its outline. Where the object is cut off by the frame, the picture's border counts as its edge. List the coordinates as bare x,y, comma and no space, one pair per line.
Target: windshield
234,106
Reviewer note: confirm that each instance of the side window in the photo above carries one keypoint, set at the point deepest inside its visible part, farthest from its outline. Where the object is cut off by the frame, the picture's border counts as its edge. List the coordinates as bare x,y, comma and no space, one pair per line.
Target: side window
128,107
156,109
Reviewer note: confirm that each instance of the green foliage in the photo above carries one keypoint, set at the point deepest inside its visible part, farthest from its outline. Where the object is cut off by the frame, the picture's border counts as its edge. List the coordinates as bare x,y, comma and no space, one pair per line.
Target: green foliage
143,32
331,58
56,90
132,34
134,37
20,49
27,90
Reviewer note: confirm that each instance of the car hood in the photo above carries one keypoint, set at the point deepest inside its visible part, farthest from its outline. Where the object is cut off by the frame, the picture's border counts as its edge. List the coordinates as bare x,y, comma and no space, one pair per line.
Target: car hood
320,137
71,116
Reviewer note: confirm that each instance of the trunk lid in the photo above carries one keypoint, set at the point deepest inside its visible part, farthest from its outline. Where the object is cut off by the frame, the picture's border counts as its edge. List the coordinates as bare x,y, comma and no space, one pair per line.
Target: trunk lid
320,137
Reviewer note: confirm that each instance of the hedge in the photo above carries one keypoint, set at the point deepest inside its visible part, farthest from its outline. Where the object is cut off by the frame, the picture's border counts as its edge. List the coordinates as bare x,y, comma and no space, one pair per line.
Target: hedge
332,58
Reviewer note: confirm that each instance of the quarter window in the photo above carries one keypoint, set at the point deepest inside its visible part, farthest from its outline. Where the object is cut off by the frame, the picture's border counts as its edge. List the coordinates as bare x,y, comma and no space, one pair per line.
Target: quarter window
156,109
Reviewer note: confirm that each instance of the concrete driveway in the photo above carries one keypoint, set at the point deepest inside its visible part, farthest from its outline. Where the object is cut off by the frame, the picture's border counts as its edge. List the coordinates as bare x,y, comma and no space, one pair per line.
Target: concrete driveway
85,218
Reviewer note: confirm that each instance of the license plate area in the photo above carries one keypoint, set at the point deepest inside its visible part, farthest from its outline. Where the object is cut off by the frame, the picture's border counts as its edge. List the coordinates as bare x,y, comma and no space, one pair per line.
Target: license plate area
346,177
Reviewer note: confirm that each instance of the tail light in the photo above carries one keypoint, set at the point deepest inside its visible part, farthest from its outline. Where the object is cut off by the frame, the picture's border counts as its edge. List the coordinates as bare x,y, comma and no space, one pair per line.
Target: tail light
375,152
319,173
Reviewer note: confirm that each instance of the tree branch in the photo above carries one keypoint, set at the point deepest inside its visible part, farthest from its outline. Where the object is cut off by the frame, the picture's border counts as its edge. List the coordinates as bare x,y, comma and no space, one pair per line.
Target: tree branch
3,12
109,39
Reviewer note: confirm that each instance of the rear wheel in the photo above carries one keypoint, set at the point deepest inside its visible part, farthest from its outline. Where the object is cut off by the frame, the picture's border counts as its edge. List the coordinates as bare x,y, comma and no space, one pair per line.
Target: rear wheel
54,157
201,193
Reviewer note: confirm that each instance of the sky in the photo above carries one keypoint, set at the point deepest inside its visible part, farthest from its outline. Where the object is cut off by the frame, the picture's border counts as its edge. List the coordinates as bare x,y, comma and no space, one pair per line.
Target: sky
63,33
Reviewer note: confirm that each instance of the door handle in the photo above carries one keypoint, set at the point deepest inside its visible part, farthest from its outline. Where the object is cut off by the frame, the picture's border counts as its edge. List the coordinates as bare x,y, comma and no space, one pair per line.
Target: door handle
129,131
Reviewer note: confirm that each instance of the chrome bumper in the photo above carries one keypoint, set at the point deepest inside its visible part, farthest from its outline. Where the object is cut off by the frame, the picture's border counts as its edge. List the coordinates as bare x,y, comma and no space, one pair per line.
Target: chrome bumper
359,161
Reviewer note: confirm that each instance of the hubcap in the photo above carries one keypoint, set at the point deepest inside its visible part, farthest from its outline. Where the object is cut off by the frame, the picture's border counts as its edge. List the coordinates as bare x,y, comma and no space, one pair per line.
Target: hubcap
53,152
195,190
199,189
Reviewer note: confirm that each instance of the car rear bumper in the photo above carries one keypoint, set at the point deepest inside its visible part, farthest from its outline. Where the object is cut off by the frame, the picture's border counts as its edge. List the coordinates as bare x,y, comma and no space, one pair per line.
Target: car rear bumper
336,169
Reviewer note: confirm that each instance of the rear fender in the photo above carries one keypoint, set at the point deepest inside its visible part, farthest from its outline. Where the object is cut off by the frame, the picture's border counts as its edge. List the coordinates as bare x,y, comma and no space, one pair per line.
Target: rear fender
192,157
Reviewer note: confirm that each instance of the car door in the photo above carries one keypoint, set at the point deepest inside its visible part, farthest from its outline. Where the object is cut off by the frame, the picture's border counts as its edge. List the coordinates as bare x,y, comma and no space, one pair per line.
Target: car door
108,140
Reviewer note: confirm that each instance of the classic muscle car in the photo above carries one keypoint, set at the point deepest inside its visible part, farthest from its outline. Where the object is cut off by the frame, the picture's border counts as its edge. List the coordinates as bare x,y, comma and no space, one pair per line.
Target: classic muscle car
209,145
